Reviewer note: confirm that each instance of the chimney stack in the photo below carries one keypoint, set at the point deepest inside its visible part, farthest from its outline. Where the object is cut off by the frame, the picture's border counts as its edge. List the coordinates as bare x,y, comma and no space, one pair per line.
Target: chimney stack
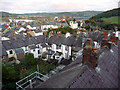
114,39
105,42
105,36
89,42
90,55
58,34
14,35
28,34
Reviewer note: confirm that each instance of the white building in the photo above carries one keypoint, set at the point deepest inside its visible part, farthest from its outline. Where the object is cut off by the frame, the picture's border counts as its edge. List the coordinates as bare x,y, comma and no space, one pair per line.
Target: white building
73,24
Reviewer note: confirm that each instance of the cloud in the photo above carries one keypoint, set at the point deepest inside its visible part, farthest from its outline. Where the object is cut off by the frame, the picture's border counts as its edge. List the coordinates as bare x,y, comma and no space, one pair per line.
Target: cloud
29,6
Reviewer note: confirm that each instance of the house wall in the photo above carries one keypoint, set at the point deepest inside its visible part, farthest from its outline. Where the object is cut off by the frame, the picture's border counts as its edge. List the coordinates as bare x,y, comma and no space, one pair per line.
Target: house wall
37,34
11,55
35,53
25,50
69,51
44,49
21,29
5,58
54,47
73,25
66,53
48,26
20,55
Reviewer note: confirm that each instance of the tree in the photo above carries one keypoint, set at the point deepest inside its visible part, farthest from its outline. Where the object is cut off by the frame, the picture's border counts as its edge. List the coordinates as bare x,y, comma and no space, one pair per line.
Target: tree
29,60
9,76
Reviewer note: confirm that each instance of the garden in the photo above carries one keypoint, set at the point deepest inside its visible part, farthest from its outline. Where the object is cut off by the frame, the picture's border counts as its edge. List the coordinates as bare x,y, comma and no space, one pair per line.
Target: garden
11,73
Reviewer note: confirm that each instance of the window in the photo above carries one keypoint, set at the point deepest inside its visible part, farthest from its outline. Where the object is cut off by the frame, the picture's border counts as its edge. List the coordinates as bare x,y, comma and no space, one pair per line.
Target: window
11,52
38,51
3,57
26,48
33,50
66,48
58,46
38,46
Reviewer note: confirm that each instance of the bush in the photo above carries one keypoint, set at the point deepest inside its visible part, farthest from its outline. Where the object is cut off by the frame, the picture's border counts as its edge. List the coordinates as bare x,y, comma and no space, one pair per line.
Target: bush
63,30
10,75
29,60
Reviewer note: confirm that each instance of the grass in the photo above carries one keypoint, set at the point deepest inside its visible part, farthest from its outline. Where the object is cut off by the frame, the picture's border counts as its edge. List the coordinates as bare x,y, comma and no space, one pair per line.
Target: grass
74,12
113,20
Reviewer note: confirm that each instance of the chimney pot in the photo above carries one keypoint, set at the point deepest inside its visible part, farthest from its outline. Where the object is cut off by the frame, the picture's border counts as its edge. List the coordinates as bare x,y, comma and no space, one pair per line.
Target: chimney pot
89,42
105,36
113,34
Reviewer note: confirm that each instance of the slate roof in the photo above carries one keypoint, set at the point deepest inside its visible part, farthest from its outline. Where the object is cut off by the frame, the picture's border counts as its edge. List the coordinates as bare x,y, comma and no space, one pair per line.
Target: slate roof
69,41
37,31
32,46
7,44
77,76
64,25
19,50
78,42
51,39
43,45
22,41
61,40
106,78
38,39
5,20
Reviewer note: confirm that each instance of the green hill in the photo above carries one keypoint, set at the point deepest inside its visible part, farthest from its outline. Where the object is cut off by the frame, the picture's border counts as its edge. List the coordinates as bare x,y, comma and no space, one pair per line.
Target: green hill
107,14
113,19
106,20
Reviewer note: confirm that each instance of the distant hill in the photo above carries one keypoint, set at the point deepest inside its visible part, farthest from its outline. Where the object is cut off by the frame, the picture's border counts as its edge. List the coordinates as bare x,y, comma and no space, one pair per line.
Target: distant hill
113,19
74,14
6,14
107,14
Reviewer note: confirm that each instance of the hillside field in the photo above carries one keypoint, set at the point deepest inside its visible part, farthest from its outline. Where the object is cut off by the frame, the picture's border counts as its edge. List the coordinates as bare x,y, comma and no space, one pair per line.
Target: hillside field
112,19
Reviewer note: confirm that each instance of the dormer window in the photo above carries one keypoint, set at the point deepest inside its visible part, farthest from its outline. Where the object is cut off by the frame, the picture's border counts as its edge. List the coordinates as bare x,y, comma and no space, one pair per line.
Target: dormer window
26,48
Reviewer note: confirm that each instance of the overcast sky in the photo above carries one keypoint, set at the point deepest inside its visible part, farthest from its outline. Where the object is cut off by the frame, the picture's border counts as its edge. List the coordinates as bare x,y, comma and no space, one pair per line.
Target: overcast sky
33,6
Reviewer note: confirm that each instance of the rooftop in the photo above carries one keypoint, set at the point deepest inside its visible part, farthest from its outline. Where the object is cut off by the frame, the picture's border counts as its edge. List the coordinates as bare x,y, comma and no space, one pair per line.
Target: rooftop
76,75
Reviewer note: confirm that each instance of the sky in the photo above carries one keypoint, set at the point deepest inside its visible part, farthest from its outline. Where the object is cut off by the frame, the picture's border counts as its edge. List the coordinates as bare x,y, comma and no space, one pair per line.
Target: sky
38,6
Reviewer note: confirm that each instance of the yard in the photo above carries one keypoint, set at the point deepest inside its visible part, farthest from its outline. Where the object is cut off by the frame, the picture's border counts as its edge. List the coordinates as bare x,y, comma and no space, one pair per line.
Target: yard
13,73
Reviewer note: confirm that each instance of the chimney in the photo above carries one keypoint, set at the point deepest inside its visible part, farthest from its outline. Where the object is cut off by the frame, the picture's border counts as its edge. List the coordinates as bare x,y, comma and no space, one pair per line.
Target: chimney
113,34
89,30
94,58
5,27
58,34
89,42
14,35
105,42
90,55
49,34
28,35
11,25
114,39
25,27
105,36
